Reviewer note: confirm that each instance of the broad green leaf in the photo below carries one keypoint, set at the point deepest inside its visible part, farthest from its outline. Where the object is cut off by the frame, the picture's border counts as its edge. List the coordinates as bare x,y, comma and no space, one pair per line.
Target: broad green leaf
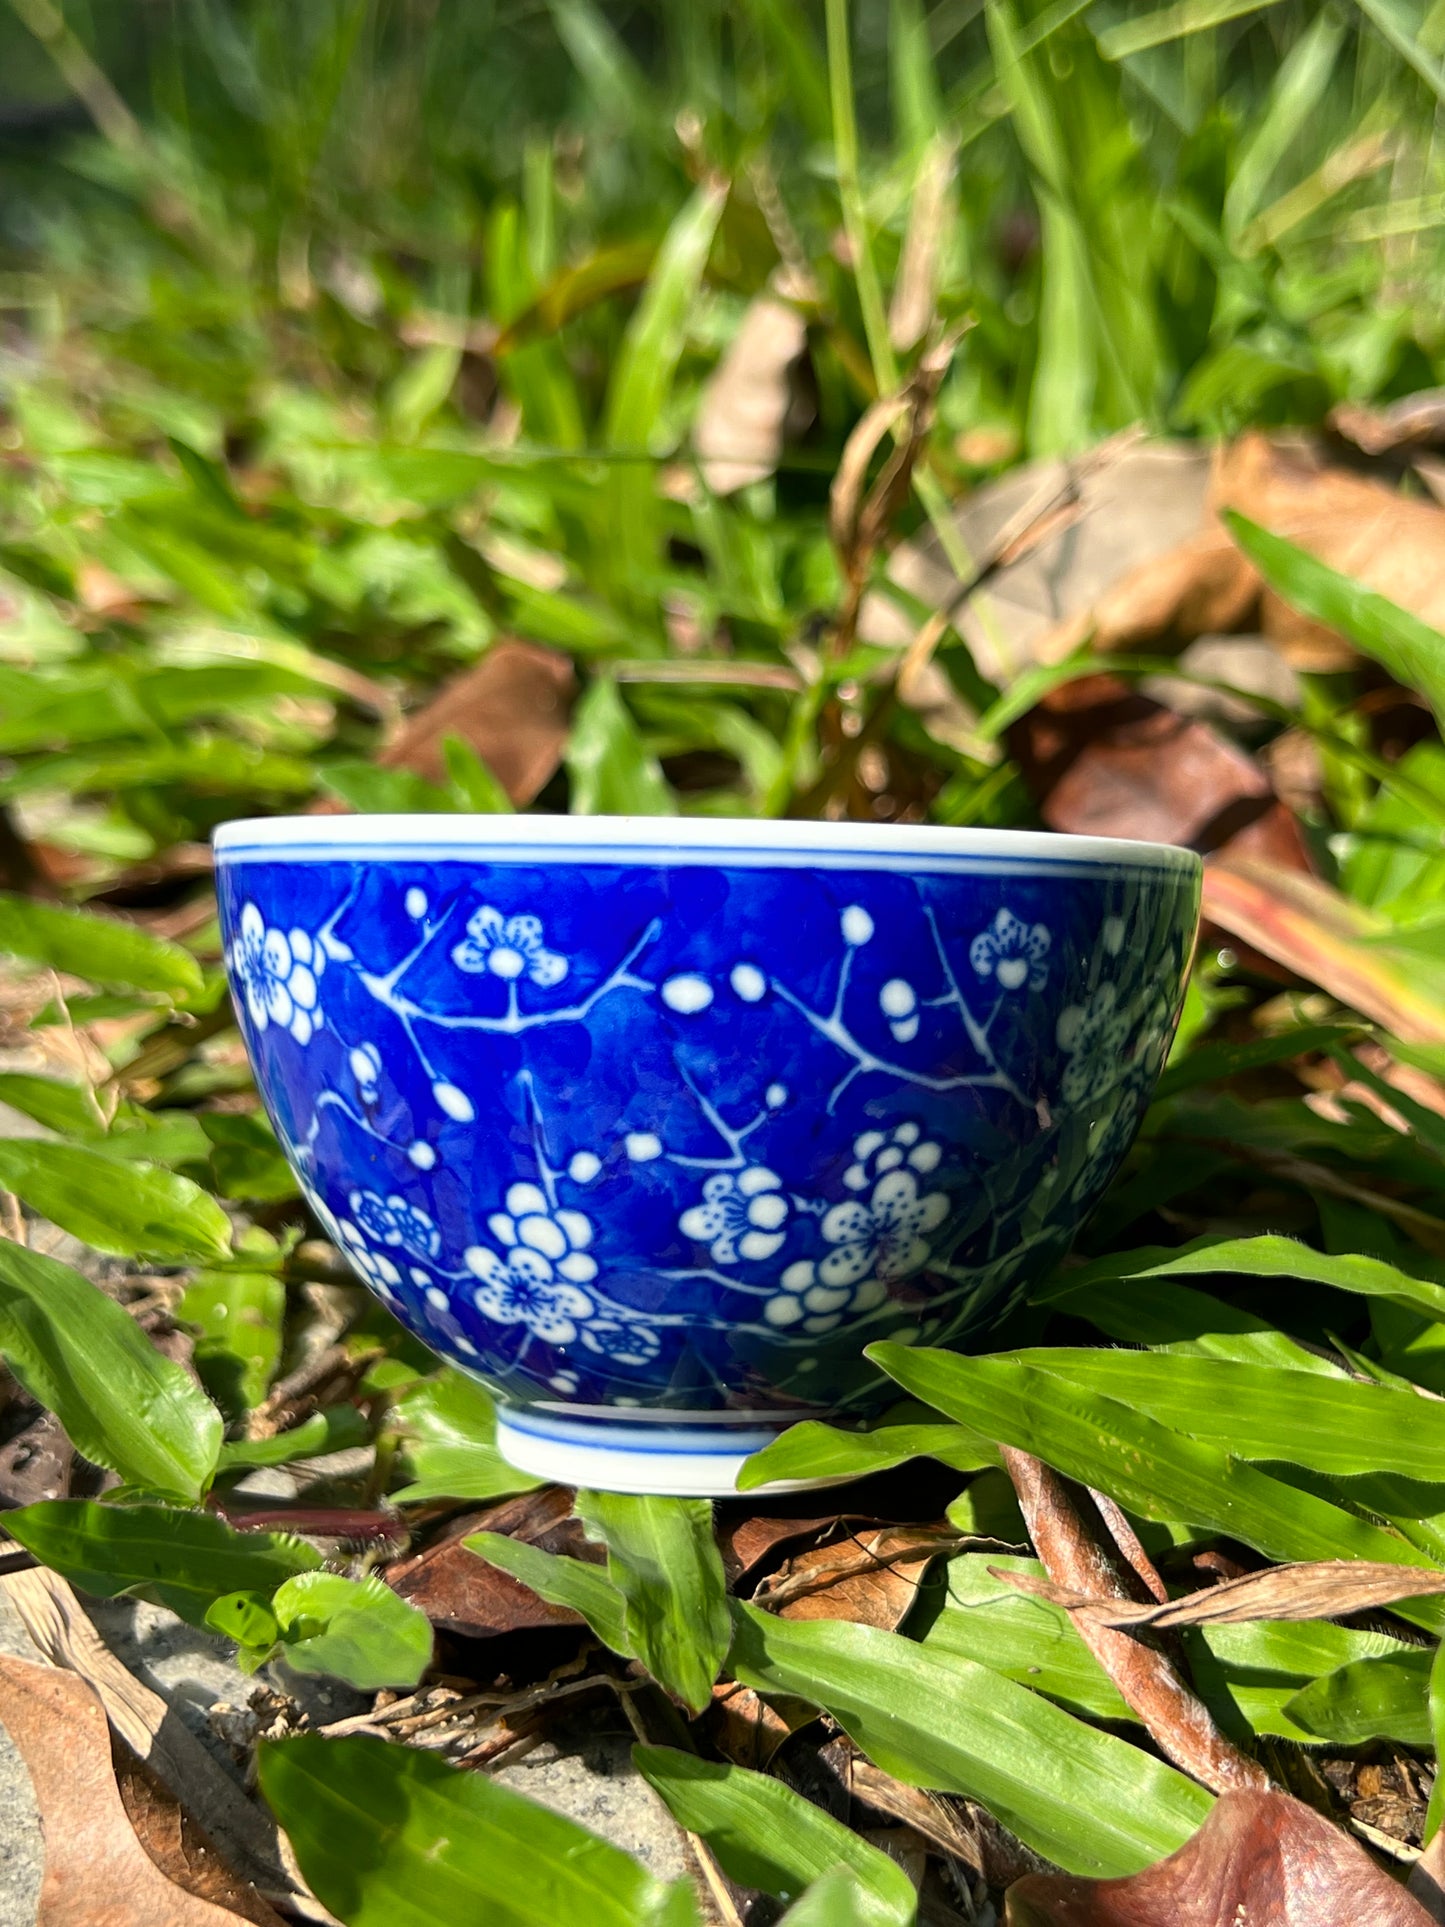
449,1427
613,772
472,783
767,1836
1145,1467
247,1618
1091,1802
246,1160
336,1429
389,1836
122,1404
812,1450
662,1557
1180,1319
1370,1699
1435,1811
836,1899
160,1137
375,790
358,1630
1266,1257
71,1109
562,1582
982,1619
134,1209
1246,1673
181,1559
1334,1424
100,949
238,1316
1407,648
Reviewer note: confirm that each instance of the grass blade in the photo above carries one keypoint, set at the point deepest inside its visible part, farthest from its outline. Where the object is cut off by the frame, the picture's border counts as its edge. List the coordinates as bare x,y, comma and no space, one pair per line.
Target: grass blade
1412,652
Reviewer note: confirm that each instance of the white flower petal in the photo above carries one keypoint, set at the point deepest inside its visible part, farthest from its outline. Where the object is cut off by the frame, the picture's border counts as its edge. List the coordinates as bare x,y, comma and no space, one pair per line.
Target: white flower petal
302,985
925,1157
542,1235
783,1310
758,1178
856,1178
502,1228
301,946
799,1275
578,1267
577,1227
524,1199
767,1211
755,1246
865,1146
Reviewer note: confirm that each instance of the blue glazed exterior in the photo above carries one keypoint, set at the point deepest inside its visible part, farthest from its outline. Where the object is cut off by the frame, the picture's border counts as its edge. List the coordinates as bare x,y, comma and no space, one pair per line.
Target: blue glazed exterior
613,1130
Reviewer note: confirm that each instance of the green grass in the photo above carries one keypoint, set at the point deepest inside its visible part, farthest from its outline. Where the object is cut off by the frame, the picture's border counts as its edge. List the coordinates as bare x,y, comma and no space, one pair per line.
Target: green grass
338,342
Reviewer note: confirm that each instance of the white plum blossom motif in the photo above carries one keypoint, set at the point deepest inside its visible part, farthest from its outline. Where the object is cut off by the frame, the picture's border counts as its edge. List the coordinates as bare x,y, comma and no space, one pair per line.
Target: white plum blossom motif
883,1237
621,1341
741,1216
817,1307
375,1267
278,970
1012,952
874,1153
508,947
536,1281
393,1221
1096,1036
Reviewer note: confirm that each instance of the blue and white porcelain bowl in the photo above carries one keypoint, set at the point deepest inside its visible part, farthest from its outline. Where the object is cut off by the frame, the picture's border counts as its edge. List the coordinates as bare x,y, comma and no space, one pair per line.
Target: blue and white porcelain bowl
653,1124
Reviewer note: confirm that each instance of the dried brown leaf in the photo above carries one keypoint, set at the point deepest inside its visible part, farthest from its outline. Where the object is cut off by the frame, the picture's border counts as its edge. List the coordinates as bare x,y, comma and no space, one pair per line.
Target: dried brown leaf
871,1578
1362,528
465,1594
1324,1589
915,291
1105,760
746,1542
748,1729
512,708
180,1848
1416,421
97,1874
1261,1859
57,1624
744,406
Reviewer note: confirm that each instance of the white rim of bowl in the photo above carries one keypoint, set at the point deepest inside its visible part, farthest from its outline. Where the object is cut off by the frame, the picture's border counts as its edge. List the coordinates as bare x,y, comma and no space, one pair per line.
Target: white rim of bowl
673,839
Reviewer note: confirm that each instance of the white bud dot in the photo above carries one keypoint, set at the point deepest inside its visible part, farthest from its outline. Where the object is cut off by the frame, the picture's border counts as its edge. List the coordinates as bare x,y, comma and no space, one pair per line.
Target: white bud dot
584,1167
687,995
777,1095
857,924
422,1155
642,1146
416,902
749,982
454,1102
897,998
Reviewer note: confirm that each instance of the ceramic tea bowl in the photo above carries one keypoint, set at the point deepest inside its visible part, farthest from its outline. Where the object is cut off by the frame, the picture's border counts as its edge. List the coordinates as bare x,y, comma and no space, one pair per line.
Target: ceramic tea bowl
653,1125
